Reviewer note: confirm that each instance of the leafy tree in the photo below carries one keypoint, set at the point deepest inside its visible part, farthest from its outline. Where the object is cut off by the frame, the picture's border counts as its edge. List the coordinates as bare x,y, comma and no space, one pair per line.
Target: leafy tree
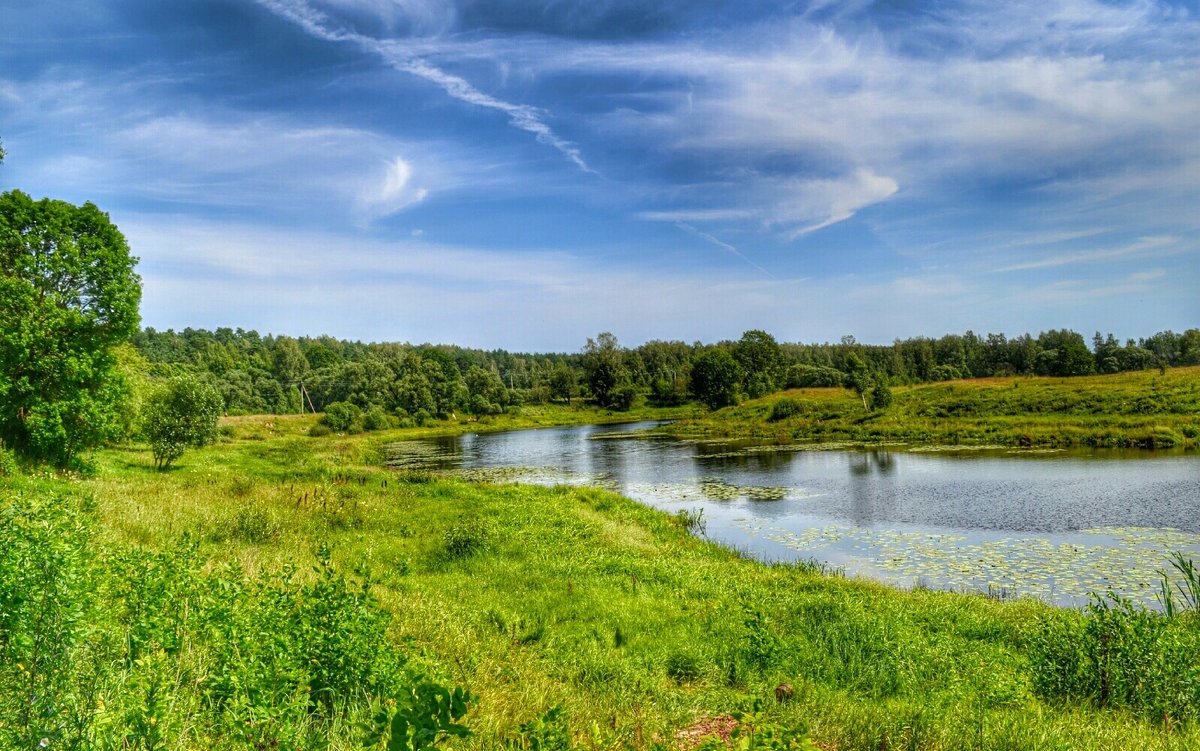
858,376
881,395
604,362
761,361
68,296
715,377
288,360
562,382
1064,353
488,394
182,414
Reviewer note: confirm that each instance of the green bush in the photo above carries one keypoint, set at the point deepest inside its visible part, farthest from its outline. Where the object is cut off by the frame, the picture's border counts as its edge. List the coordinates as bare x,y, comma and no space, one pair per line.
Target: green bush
465,537
785,408
376,418
181,414
343,417
1120,655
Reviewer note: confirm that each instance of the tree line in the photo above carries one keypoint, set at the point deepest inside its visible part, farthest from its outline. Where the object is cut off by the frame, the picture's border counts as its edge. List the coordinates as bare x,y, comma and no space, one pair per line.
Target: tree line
412,384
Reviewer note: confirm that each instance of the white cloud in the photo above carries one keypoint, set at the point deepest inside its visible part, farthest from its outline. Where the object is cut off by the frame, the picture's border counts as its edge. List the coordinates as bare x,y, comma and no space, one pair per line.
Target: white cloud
394,192
1155,246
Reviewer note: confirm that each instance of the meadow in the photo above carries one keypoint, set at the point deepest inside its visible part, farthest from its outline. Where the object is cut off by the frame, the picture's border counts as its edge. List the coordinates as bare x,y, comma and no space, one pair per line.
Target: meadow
276,590
1141,409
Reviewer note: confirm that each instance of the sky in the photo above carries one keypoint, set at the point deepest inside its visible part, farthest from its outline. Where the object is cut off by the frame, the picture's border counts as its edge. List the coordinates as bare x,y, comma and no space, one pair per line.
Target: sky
524,174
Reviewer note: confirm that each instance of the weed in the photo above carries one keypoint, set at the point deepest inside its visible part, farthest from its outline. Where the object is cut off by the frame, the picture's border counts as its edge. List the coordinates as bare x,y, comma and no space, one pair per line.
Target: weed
545,733
692,520
682,667
465,537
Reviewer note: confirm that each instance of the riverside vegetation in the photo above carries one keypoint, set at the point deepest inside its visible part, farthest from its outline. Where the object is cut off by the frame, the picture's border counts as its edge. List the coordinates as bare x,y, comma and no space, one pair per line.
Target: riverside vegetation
277,590
1144,409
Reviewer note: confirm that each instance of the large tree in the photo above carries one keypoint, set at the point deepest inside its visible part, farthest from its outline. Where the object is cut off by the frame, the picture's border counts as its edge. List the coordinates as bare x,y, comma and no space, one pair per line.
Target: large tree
68,296
715,378
761,361
607,373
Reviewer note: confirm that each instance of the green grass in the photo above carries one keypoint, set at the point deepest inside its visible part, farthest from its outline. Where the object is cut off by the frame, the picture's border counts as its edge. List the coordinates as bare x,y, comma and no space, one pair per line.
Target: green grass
1142,410
532,598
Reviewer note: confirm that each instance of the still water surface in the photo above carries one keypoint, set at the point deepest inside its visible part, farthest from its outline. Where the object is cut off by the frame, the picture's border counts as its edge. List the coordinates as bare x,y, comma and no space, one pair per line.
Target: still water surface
1052,525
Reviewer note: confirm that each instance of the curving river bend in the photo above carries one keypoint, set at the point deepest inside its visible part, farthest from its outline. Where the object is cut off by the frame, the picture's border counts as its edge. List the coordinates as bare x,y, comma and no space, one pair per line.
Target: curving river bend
1055,525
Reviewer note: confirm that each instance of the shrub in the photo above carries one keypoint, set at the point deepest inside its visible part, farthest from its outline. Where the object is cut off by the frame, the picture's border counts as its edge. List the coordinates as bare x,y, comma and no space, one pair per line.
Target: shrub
881,396
465,537
814,376
1120,655
320,430
682,667
182,414
376,419
785,408
343,417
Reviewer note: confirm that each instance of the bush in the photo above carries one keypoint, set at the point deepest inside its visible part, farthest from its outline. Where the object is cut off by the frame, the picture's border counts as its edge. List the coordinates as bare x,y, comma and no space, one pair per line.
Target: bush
181,414
881,396
1120,655
814,376
320,430
343,417
376,419
8,462
465,537
785,408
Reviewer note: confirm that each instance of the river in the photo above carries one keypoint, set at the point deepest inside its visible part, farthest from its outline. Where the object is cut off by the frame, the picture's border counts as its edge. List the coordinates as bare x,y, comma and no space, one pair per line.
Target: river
1054,525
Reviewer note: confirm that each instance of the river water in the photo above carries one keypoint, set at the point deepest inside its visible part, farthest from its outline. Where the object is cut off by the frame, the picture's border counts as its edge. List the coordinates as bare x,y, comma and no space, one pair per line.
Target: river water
1054,525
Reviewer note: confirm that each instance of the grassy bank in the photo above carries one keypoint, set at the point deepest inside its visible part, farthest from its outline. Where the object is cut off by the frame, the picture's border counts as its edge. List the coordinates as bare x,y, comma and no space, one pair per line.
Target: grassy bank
1143,409
274,590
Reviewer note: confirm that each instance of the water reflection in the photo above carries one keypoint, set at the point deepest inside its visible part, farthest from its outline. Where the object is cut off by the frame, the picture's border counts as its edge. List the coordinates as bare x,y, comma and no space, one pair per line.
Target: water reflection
871,486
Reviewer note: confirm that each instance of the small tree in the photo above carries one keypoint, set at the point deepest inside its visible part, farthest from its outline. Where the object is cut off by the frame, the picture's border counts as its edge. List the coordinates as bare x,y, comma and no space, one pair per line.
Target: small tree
182,414
881,395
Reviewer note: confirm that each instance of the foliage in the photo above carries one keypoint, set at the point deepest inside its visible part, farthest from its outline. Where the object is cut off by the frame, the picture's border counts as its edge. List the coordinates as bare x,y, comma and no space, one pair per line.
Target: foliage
68,296
761,362
1121,655
715,378
343,417
424,716
604,363
181,414
785,408
545,733
881,395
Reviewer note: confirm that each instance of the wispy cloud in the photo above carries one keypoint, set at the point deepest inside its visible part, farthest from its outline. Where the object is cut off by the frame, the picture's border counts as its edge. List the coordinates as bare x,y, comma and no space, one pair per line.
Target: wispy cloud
720,244
1142,247
521,116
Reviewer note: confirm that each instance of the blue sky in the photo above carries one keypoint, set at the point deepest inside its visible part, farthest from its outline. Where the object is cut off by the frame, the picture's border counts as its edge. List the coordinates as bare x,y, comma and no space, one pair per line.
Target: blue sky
525,174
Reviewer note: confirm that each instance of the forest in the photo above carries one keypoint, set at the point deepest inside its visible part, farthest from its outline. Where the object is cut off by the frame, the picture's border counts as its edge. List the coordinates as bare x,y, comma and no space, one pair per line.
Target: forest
392,384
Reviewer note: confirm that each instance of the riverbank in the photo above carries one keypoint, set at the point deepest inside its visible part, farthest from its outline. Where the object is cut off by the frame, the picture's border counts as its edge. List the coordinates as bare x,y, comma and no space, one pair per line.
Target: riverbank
1135,410
531,598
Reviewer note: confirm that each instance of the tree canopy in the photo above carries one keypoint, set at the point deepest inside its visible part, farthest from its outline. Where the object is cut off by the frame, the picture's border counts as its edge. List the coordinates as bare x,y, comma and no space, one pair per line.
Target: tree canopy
68,296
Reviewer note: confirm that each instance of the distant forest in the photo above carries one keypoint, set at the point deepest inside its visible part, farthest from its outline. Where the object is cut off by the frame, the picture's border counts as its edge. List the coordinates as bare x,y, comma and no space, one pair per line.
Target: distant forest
280,374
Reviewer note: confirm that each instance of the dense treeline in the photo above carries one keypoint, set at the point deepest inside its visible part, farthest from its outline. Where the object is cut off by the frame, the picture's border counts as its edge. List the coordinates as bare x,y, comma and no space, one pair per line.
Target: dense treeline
373,385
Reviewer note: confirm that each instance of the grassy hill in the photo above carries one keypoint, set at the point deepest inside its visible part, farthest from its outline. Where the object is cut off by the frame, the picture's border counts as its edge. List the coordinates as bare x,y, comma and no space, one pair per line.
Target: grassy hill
1143,409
